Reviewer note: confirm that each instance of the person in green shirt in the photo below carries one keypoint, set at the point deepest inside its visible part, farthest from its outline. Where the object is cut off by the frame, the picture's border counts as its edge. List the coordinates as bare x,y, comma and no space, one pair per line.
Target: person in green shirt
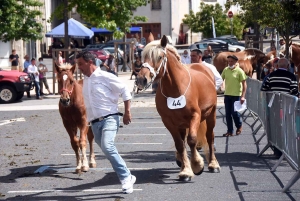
235,90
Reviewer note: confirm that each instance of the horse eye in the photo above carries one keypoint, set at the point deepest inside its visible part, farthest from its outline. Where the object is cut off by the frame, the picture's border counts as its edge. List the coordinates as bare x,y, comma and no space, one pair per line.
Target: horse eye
159,58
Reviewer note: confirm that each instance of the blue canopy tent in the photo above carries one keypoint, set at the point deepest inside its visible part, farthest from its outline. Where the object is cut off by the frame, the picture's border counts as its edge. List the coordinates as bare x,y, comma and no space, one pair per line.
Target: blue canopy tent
76,30
105,31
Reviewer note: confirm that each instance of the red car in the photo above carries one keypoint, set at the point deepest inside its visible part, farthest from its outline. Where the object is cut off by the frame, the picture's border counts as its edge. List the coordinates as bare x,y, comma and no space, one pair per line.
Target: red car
13,84
101,54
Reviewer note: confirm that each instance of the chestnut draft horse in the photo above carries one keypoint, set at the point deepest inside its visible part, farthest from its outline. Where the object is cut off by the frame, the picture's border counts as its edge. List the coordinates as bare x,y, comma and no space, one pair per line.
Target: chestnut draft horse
294,56
185,98
254,55
73,113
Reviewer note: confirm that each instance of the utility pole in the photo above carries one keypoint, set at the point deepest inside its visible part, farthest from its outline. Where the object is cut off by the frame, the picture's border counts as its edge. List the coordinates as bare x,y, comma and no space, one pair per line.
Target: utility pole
66,38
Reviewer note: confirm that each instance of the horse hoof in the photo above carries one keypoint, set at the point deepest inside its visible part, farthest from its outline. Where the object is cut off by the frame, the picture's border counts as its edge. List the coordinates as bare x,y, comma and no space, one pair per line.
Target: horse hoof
185,178
92,165
78,171
85,168
201,171
178,163
214,170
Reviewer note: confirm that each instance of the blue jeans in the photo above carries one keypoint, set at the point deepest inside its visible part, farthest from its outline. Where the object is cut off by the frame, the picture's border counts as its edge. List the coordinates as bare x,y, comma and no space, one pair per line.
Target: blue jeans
105,132
230,113
37,89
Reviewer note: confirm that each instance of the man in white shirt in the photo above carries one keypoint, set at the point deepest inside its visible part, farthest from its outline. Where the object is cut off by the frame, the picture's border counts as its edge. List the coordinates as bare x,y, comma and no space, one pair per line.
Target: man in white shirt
101,92
34,71
196,57
185,58
110,64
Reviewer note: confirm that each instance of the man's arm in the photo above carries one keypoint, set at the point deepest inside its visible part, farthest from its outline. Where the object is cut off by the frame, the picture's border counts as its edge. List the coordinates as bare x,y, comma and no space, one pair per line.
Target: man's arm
244,85
127,114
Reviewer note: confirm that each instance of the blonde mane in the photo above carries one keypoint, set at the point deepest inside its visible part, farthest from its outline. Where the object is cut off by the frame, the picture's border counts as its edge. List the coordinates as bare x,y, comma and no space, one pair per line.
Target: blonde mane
65,66
153,51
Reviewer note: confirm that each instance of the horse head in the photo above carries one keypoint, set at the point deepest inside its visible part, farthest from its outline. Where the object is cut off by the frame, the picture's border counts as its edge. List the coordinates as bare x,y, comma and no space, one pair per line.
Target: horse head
65,81
257,55
154,59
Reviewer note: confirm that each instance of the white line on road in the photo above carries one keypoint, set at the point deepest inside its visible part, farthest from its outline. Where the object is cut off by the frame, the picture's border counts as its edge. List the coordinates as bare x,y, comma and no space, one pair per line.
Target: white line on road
67,191
4,122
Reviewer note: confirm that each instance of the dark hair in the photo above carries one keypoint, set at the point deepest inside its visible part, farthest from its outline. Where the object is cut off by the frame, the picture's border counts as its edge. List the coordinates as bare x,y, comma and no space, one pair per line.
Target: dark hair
41,59
86,55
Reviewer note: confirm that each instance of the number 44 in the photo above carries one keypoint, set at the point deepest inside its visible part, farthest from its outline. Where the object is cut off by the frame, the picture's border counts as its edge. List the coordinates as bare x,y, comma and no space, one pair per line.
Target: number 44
176,104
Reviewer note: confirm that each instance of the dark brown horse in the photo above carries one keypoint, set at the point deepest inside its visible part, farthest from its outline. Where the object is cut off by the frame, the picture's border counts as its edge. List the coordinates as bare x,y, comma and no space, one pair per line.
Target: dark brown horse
185,99
73,113
294,56
254,55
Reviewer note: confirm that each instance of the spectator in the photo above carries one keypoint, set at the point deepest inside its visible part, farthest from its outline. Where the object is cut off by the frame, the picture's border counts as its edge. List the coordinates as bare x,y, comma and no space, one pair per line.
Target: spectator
210,51
267,69
281,81
42,77
282,45
110,64
136,66
235,90
101,91
185,57
14,59
34,70
26,63
207,57
60,59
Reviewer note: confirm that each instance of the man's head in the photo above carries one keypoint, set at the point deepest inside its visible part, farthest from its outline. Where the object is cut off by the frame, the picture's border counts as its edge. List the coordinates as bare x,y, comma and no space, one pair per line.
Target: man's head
205,52
13,51
232,59
40,59
86,62
33,61
185,53
26,57
111,56
283,63
60,53
281,42
196,54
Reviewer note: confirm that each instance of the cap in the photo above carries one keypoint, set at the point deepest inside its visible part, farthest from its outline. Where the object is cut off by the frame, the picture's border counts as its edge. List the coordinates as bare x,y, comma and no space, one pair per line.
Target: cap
33,59
233,57
195,48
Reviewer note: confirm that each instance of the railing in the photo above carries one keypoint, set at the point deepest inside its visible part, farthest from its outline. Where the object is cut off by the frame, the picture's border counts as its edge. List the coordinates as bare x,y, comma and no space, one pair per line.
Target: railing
279,114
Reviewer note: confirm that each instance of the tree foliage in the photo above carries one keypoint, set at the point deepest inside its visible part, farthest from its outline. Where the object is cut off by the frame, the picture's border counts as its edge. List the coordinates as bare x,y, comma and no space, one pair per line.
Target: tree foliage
18,20
202,21
108,14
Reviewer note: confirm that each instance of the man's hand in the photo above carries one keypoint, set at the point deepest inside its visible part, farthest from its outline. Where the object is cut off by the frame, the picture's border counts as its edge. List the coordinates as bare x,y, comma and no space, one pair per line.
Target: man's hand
242,100
127,118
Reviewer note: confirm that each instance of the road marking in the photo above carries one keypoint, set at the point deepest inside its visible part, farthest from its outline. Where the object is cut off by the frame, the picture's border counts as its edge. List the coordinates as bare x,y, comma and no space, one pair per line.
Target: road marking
142,134
4,122
67,191
30,107
58,169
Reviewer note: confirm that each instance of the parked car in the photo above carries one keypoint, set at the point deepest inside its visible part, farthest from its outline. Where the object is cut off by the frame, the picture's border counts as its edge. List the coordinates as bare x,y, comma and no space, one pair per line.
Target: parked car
112,51
231,40
217,46
101,54
93,47
13,84
231,48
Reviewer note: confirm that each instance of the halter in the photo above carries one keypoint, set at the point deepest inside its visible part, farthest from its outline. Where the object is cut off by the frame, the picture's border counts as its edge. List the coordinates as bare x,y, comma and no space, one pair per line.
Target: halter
65,77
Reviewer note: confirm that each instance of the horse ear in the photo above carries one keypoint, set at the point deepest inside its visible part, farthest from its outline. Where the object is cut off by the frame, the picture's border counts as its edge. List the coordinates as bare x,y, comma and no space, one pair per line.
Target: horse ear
164,41
56,67
150,37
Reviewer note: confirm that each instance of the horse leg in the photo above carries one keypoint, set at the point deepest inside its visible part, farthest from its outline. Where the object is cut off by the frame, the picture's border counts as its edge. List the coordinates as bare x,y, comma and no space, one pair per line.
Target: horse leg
92,154
179,137
197,162
213,165
72,131
82,140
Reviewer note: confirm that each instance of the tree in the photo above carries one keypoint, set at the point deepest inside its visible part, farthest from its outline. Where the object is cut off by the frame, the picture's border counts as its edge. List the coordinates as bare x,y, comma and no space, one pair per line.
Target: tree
202,21
280,14
109,14
18,20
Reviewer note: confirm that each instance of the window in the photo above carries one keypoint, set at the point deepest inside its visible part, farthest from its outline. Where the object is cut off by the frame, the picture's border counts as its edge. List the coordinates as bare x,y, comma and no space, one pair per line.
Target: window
156,5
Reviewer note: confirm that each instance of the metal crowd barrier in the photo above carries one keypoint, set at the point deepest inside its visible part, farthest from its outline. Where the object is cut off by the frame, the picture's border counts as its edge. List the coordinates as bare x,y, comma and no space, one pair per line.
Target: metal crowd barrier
279,114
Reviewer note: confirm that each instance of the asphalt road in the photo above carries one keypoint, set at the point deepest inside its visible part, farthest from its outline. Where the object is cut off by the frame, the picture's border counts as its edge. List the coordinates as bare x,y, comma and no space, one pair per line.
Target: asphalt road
33,139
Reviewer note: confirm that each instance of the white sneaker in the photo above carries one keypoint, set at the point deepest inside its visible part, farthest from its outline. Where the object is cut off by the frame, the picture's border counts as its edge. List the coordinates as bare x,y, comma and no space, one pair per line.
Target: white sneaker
127,184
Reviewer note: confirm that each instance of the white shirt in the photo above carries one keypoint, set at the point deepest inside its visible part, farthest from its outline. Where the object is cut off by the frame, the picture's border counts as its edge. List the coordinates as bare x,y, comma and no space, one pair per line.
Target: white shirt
111,66
33,69
185,60
218,78
101,94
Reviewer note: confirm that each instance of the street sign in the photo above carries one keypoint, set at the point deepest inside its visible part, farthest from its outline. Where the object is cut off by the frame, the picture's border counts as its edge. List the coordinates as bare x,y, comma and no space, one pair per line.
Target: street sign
230,14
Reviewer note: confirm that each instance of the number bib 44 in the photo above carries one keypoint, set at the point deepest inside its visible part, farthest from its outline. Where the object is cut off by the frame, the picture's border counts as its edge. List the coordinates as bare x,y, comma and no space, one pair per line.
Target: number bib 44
176,103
